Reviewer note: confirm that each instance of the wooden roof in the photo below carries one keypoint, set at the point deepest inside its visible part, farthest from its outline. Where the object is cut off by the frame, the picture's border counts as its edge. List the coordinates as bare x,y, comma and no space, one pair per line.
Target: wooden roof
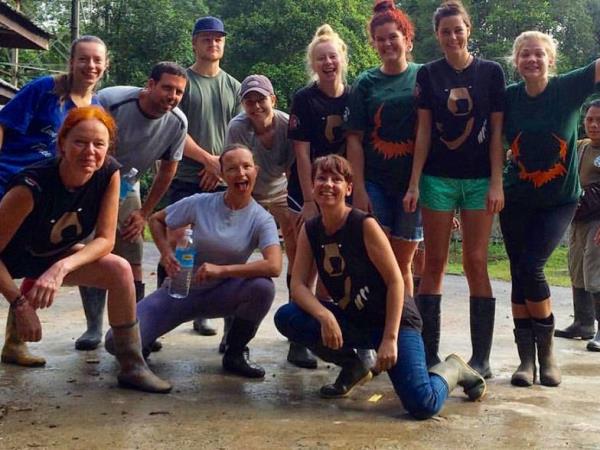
17,31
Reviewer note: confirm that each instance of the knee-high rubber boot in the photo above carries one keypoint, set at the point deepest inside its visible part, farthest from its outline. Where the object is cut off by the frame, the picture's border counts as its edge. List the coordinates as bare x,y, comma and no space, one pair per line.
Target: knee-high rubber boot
227,321
134,372
429,306
583,317
15,350
525,374
456,372
354,372
482,312
93,300
549,371
594,344
161,274
235,358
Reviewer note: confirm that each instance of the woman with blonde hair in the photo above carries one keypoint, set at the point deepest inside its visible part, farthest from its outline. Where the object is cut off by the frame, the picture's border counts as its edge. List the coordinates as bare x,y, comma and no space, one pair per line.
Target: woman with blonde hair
541,184
315,127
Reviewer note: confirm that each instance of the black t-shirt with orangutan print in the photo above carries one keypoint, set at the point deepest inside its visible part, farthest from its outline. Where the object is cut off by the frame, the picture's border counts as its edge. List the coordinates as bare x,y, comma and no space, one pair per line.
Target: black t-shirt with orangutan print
461,102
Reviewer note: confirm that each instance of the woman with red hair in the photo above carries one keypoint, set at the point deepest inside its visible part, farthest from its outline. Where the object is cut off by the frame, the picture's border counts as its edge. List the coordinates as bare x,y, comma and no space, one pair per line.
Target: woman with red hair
48,209
382,118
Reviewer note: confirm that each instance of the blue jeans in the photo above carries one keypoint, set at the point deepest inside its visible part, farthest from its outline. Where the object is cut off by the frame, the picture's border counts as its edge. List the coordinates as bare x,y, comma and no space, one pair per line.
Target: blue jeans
389,211
530,236
421,393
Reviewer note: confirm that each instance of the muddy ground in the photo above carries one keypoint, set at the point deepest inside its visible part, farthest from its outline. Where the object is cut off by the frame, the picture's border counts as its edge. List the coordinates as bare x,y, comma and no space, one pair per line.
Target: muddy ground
74,402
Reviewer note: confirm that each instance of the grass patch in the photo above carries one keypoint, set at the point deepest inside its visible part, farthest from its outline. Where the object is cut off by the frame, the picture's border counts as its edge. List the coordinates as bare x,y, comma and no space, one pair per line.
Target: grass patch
557,271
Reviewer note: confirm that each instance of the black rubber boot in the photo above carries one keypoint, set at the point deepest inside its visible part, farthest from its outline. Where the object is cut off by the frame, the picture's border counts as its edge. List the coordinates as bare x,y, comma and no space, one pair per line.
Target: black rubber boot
235,359
93,300
429,306
594,344
482,312
300,356
227,321
161,275
353,373
549,370
456,372
583,317
525,374
204,327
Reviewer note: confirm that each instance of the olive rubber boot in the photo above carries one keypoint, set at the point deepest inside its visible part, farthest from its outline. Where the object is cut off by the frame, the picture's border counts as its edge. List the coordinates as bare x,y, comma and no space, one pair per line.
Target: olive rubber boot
15,350
457,372
583,317
429,307
354,372
135,374
140,293
525,374
93,300
549,370
594,344
482,312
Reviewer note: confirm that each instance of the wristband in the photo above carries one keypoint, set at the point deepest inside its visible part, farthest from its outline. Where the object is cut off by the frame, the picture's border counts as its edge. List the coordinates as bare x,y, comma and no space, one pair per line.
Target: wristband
20,300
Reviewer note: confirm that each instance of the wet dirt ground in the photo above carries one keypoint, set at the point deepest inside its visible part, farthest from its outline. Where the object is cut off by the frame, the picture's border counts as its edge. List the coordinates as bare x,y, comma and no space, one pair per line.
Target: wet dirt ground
74,401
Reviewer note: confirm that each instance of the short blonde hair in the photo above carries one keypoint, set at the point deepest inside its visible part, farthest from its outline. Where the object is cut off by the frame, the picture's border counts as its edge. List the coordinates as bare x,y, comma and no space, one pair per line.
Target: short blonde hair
545,39
326,34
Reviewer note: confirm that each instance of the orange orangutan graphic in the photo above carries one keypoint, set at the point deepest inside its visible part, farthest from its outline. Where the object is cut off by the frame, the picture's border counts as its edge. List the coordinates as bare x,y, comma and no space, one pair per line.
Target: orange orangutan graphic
389,149
540,177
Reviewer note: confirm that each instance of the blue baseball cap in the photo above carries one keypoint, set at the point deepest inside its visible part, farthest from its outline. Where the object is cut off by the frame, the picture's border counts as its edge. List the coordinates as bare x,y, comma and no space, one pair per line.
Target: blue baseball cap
209,24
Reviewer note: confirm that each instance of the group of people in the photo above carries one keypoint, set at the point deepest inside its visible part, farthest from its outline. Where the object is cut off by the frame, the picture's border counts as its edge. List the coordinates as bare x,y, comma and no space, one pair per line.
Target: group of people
422,142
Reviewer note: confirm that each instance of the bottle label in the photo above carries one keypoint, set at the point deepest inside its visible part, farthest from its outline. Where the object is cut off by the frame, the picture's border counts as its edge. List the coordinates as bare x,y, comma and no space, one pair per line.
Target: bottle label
185,257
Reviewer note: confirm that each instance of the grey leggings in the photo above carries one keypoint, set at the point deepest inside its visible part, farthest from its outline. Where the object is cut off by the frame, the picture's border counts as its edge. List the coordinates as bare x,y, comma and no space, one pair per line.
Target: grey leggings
244,298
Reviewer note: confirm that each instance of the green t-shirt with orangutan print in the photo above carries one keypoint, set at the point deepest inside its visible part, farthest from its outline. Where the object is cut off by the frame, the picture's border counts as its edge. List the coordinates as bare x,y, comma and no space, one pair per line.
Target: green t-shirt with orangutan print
383,108
542,133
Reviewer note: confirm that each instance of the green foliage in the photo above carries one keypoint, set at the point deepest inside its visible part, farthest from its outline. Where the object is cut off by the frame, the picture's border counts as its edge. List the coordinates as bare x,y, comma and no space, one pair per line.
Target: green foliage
270,37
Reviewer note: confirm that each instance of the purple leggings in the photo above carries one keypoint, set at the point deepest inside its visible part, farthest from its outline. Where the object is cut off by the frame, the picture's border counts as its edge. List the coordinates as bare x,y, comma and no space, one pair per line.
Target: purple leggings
244,298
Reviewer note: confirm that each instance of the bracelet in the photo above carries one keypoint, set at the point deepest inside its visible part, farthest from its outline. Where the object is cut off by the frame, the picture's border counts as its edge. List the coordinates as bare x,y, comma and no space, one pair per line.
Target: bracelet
20,300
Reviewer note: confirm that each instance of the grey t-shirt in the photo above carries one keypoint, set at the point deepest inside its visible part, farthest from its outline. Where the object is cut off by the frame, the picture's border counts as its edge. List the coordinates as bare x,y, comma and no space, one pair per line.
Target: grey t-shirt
222,235
274,161
209,104
142,140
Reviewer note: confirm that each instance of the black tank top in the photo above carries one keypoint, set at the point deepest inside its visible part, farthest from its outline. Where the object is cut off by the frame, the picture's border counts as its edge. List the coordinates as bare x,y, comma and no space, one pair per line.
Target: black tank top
351,278
60,217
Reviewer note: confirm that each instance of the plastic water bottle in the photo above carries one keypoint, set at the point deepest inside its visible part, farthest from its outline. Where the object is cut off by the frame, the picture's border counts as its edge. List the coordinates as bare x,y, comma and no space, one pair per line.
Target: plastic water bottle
128,181
185,254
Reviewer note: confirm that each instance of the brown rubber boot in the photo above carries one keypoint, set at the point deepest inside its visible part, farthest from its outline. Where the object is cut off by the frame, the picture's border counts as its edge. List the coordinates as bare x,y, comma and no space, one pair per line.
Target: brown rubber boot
15,350
135,374
549,371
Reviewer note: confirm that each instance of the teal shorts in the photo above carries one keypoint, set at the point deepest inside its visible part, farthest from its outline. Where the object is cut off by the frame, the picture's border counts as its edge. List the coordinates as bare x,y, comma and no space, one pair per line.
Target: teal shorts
450,194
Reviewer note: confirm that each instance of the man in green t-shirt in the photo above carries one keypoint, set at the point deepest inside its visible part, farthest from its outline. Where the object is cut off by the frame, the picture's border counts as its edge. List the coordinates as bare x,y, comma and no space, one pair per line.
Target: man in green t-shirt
210,101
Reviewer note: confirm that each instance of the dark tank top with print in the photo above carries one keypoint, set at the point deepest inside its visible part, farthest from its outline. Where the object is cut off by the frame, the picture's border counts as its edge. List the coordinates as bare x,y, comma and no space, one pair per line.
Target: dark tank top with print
350,276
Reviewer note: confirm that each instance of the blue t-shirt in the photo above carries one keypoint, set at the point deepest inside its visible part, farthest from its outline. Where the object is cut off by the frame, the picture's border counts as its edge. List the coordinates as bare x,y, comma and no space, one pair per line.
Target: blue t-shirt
222,235
31,121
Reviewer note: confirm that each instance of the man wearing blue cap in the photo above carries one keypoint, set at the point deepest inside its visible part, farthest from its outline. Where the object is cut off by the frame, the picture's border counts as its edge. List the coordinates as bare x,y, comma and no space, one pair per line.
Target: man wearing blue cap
210,101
